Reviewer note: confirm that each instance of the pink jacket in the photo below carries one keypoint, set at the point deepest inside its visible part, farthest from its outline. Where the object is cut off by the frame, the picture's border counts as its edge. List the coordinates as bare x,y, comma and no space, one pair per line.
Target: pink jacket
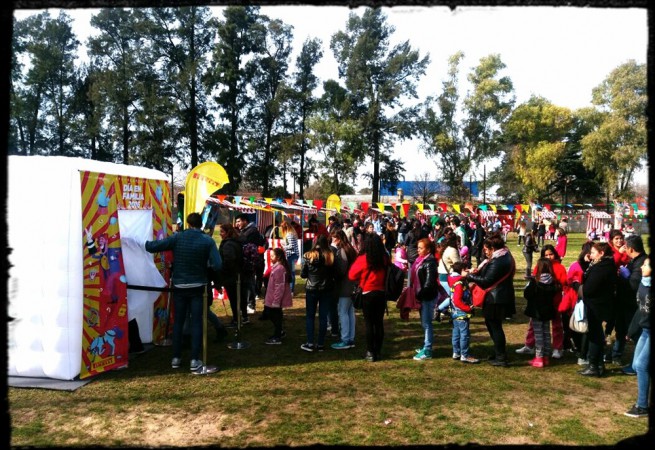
278,292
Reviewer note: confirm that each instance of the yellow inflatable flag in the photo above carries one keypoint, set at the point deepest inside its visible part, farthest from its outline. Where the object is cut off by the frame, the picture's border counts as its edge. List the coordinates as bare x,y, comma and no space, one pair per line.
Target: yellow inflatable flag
334,202
201,183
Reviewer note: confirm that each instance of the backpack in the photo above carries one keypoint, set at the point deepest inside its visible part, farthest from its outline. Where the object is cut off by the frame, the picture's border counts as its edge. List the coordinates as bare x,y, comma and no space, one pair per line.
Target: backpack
251,257
467,296
394,282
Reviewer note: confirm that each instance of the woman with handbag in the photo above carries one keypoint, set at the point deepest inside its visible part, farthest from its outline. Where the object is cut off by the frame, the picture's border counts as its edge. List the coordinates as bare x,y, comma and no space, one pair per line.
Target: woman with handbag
496,273
369,270
317,270
423,280
344,256
597,292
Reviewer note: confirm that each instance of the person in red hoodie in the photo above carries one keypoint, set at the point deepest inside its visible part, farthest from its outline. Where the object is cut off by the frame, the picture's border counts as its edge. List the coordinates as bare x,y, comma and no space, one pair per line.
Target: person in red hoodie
369,270
621,260
460,311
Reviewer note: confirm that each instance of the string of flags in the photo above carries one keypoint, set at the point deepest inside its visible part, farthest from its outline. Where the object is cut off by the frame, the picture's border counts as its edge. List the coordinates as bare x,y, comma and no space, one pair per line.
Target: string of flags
403,209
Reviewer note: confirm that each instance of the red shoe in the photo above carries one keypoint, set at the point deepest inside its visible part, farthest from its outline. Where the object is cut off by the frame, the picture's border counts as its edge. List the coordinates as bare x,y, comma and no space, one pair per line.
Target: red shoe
538,361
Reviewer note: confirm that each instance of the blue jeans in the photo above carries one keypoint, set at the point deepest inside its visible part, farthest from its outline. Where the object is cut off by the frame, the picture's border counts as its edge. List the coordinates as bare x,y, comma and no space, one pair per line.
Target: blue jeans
640,363
186,300
461,337
292,263
427,314
347,319
316,299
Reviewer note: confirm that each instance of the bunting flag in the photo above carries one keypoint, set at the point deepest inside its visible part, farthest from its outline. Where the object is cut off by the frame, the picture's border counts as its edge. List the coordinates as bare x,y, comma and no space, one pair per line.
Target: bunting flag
419,206
352,206
456,208
318,204
405,207
443,206
493,207
237,199
309,202
525,208
510,208
268,199
469,206
252,199
380,206
301,201
519,208
483,207
201,182
288,200
393,205
431,205
547,207
364,206
222,197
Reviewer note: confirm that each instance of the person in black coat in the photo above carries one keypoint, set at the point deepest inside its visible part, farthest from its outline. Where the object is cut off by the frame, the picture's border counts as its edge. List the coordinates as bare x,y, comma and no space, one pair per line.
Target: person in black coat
597,292
500,301
425,287
232,255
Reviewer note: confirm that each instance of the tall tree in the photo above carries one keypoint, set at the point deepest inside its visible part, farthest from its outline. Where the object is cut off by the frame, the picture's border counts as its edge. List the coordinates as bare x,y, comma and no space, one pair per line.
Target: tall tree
270,73
378,78
617,146
240,36
463,144
182,40
302,103
115,58
42,98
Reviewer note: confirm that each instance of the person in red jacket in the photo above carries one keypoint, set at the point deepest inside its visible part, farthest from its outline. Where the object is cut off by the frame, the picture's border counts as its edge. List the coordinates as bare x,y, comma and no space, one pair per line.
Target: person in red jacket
460,312
369,270
621,259
548,251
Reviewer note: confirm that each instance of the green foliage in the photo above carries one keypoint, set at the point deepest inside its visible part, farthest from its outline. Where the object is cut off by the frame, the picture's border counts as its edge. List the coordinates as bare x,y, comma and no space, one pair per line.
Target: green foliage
377,78
616,148
462,143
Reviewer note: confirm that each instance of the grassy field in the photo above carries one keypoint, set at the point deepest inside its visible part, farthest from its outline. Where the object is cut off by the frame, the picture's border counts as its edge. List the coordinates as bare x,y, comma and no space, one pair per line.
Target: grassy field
267,396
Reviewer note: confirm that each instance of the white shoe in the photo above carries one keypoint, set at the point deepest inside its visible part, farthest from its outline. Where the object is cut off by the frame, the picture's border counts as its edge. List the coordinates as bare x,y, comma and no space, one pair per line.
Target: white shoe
557,354
251,310
525,350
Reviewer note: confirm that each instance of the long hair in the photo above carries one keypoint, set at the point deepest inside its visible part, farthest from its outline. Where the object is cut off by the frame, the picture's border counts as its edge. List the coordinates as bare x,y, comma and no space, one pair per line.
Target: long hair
321,247
230,231
281,257
544,265
344,245
552,249
604,248
376,255
287,228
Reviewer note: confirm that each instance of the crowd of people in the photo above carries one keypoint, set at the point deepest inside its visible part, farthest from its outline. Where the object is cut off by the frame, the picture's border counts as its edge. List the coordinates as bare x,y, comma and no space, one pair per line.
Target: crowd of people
612,278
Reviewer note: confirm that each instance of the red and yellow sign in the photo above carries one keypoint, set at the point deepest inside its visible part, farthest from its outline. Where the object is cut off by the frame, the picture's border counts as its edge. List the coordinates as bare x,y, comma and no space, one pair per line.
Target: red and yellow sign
104,331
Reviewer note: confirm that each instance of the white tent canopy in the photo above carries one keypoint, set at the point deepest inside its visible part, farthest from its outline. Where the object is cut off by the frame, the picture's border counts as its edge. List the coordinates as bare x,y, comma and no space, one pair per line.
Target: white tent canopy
44,216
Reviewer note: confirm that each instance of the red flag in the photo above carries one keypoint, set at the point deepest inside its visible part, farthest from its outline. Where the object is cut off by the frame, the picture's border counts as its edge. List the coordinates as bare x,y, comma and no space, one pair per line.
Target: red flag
221,197
288,200
393,205
364,206
318,204
443,206
406,208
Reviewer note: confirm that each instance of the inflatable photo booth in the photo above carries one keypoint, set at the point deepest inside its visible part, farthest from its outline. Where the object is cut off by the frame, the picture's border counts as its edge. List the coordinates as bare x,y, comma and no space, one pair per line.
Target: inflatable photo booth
70,272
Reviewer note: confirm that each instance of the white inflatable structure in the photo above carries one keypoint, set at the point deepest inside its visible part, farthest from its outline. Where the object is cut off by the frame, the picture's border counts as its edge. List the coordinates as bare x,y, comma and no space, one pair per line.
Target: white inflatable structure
44,217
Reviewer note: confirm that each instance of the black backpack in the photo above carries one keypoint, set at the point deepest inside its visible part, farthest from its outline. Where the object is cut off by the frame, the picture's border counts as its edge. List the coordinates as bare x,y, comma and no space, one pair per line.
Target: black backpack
394,282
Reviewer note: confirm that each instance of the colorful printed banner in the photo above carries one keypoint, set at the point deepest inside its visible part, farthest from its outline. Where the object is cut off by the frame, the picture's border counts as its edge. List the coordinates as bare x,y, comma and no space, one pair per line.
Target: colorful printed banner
104,328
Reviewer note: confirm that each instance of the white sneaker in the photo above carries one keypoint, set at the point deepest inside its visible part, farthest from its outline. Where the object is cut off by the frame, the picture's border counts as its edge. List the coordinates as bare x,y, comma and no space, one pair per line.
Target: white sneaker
557,354
251,310
525,350
196,365
582,362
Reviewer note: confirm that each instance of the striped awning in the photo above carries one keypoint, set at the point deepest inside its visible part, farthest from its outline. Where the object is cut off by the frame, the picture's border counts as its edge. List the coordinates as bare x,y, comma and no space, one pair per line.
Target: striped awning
599,215
232,206
487,214
546,214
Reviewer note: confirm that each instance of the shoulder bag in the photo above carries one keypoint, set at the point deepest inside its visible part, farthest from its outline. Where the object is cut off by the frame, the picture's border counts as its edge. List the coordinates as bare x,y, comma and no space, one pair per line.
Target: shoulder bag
479,294
358,294
578,320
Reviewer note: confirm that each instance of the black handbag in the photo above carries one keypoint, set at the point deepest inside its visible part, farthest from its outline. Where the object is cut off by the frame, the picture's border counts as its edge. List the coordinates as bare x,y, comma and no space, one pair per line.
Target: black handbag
358,294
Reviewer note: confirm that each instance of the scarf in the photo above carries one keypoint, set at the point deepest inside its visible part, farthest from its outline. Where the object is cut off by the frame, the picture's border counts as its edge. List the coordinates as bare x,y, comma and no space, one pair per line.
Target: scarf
413,278
496,254
645,281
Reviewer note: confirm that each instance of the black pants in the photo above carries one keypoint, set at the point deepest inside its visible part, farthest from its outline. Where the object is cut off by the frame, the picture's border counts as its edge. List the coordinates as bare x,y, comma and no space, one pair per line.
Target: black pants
596,337
275,315
528,260
494,315
231,289
373,308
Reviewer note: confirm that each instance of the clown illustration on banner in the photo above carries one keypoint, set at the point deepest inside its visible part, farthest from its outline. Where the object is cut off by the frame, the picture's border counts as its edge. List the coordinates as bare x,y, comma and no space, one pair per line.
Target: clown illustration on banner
105,340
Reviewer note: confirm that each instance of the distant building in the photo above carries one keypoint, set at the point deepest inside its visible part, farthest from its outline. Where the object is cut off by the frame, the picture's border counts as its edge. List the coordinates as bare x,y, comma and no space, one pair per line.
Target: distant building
415,188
